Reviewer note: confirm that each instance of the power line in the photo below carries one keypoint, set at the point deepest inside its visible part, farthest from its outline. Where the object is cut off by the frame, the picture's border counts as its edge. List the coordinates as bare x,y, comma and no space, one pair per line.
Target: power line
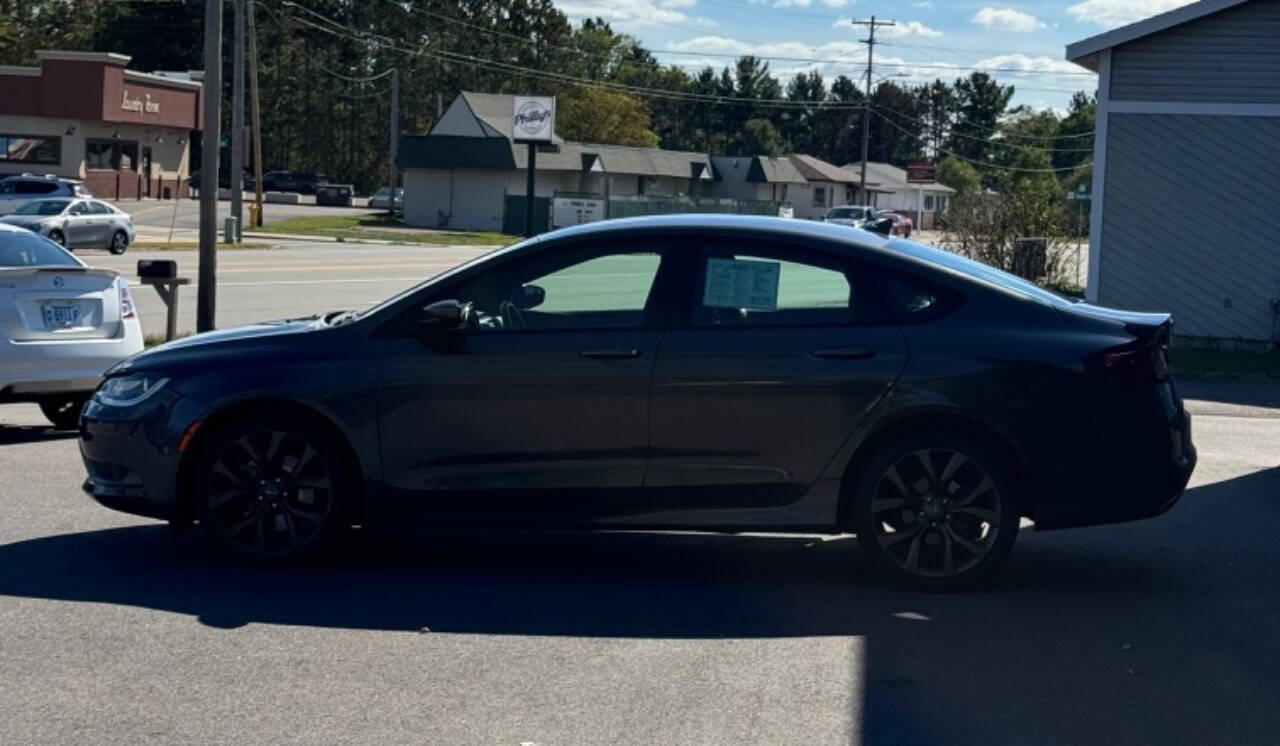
984,164
368,79
994,130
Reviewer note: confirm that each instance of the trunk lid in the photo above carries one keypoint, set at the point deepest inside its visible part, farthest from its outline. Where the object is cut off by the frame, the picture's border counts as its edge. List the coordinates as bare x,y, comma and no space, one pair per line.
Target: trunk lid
1148,329
57,303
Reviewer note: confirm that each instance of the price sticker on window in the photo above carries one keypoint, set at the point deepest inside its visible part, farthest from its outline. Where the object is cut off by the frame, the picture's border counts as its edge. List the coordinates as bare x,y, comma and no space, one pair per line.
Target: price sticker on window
739,283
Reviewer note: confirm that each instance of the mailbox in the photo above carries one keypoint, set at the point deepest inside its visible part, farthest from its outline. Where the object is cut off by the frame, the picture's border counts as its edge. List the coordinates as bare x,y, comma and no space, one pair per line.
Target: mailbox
160,268
335,195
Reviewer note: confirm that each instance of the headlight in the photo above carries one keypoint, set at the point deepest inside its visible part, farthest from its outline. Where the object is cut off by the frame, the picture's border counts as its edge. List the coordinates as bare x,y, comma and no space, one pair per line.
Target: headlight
127,391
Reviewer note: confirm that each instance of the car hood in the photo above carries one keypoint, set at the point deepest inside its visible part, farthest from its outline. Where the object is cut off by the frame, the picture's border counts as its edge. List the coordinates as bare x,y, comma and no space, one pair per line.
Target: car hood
269,336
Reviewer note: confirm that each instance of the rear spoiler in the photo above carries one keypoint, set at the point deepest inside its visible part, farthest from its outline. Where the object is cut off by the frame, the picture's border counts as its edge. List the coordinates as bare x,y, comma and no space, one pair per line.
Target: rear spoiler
80,270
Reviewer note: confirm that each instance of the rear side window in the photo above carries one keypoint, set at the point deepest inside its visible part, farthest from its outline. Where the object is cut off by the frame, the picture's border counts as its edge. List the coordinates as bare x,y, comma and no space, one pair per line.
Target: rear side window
757,286
99,208
26,249
37,187
916,301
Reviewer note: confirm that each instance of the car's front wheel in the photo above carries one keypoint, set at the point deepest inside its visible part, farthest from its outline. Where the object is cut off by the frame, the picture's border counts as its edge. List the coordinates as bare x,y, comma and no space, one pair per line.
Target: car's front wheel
58,237
119,242
273,489
64,411
936,510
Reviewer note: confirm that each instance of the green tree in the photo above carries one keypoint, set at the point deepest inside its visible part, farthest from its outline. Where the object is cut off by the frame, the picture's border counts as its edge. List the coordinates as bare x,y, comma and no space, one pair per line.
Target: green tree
958,175
599,115
980,102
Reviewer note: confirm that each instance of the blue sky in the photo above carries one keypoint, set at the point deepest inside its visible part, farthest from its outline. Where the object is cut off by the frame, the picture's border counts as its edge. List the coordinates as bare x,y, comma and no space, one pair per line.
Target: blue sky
932,38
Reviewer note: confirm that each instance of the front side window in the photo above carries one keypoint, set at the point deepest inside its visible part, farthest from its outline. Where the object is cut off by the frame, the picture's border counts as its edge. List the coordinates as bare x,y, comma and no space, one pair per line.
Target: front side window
80,208
564,290
772,287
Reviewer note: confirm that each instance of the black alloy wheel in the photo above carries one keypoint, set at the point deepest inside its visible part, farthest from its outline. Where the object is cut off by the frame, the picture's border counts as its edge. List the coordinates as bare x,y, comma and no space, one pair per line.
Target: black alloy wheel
272,489
937,512
119,242
64,411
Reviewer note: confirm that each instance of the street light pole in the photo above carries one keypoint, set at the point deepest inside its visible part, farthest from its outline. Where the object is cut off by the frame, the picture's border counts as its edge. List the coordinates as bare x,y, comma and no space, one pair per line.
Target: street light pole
206,293
395,136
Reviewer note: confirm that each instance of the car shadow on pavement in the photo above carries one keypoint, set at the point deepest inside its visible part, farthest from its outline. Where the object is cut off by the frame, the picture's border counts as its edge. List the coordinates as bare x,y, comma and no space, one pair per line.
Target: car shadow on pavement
1132,632
18,434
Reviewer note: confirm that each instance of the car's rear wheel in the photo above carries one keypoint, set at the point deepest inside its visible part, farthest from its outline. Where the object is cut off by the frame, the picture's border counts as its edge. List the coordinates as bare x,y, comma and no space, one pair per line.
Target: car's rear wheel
936,510
119,242
273,489
64,411
58,237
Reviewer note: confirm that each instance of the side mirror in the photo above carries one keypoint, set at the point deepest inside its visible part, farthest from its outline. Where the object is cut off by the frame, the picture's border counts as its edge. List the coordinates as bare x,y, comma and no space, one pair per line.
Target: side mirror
528,296
444,315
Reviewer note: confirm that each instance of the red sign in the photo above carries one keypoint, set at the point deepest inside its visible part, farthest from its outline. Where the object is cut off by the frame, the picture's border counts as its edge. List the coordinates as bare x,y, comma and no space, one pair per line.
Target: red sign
921,173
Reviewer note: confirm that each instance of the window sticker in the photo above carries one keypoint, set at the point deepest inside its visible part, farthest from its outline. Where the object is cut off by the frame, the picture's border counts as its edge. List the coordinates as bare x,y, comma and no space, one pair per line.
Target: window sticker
737,283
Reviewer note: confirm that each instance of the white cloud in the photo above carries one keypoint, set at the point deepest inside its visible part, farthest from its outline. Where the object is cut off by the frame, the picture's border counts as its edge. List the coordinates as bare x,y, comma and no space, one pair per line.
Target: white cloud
911,28
792,3
1008,19
1112,13
923,4
1030,64
836,3
630,12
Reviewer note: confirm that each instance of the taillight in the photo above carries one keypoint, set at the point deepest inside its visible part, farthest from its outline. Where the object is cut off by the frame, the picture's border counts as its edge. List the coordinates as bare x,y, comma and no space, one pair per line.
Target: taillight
1136,366
127,309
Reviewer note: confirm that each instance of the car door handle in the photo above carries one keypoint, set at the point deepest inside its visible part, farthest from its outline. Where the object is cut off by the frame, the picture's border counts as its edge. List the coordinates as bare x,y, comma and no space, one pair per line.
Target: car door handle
610,353
844,353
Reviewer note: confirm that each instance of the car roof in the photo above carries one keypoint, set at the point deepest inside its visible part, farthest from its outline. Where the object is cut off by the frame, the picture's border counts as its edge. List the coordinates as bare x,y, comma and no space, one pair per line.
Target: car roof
34,177
764,226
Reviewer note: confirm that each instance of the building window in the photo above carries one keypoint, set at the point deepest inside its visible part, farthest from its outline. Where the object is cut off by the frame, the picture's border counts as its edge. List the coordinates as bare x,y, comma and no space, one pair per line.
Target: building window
928,203
110,155
942,203
819,196
31,149
639,185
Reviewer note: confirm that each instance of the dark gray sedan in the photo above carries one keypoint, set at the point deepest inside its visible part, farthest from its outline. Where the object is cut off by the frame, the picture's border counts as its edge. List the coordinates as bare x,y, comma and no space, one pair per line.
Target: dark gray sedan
77,223
685,372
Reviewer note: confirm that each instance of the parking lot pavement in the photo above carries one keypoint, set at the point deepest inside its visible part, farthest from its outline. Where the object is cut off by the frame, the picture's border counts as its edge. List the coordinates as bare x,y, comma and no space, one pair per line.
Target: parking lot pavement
297,279
1154,632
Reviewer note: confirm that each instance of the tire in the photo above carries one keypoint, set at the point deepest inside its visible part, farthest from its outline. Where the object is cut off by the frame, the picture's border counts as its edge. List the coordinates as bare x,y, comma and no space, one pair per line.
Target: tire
58,237
939,501
64,411
273,489
119,243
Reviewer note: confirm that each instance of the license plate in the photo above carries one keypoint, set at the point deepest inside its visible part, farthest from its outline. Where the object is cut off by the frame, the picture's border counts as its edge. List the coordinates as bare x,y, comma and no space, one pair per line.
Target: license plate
60,316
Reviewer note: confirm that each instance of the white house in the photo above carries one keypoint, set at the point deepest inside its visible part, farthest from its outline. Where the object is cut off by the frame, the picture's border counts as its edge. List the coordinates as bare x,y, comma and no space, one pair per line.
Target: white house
923,203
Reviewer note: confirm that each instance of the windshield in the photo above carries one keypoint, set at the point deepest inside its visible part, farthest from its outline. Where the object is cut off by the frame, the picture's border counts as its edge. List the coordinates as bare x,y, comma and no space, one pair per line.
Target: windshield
979,271
43,207
847,213
26,249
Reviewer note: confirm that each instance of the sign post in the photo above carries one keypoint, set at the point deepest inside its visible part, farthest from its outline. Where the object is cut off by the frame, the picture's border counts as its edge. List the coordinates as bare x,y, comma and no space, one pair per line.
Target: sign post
921,173
533,123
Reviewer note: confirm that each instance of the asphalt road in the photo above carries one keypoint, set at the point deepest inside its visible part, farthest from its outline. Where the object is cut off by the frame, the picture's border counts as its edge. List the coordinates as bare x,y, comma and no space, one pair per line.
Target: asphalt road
297,279
1161,632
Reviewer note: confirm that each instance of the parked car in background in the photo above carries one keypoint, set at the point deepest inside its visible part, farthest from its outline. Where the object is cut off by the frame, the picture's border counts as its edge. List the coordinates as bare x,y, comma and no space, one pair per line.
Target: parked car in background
902,225
62,324
382,199
854,215
679,372
224,179
16,191
302,182
76,223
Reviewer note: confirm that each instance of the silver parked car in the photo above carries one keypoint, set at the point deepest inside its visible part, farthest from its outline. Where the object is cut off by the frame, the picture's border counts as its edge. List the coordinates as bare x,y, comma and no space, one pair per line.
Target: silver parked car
855,215
382,199
77,223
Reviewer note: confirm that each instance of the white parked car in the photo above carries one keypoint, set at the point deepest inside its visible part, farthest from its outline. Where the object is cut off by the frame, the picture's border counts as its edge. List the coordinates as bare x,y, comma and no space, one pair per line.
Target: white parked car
16,191
854,215
77,223
382,198
62,324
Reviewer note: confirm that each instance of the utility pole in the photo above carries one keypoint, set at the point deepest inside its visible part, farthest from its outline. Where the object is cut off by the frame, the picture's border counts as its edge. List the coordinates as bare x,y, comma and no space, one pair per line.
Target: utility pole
395,134
237,123
870,41
254,114
206,293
